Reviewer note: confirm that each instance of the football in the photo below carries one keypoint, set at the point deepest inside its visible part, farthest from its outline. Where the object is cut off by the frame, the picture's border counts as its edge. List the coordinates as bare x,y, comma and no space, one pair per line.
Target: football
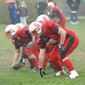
17,66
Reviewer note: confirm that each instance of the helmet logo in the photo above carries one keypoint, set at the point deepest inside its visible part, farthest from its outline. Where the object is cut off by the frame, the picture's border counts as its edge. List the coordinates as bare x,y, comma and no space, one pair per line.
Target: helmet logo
37,25
44,17
18,27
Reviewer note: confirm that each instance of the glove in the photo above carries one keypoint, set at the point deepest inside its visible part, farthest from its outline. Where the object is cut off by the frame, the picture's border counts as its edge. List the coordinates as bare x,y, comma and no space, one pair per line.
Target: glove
60,48
24,60
42,72
30,44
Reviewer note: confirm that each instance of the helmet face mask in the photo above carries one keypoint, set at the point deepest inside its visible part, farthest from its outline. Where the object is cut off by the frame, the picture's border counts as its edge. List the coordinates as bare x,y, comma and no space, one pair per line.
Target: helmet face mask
10,31
8,34
36,32
35,28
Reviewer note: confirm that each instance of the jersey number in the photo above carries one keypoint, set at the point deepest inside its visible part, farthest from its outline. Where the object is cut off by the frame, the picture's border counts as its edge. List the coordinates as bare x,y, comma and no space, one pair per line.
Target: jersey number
51,42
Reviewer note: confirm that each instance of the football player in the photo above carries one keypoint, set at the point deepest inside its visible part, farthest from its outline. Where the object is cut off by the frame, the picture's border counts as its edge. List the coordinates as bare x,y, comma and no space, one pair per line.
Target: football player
56,12
23,57
41,19
63,40
20,38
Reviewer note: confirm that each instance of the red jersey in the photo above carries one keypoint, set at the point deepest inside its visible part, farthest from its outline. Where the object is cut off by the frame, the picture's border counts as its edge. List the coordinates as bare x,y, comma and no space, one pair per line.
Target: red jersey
49,36
23,37
59,14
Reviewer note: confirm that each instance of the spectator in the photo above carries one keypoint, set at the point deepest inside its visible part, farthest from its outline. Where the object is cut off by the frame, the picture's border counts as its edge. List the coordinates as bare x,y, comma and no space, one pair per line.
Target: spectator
74,6
40,7
23,13
10,13
17,6
14,12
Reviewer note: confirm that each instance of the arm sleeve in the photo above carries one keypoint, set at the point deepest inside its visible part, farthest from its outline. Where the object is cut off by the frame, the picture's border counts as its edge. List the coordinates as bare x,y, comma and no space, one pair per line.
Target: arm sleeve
59,18
56,30
28,34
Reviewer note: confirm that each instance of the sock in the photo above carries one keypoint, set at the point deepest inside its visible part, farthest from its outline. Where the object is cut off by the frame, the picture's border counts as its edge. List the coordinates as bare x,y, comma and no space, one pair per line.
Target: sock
34,62
58,65
68,64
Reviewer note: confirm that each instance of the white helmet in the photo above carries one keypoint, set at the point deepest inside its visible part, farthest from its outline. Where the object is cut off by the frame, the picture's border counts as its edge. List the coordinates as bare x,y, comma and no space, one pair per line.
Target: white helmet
19,25
10,31
42,17
35,28
51,4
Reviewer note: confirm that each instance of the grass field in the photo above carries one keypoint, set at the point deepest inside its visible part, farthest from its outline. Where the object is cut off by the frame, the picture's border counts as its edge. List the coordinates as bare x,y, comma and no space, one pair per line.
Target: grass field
8,76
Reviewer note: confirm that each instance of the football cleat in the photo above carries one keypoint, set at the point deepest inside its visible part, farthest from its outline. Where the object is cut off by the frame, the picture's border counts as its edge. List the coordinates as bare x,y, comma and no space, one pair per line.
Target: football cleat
73,75
60,73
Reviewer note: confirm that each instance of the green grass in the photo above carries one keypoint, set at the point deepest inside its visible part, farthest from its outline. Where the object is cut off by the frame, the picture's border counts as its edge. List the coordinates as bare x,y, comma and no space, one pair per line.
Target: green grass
8,76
